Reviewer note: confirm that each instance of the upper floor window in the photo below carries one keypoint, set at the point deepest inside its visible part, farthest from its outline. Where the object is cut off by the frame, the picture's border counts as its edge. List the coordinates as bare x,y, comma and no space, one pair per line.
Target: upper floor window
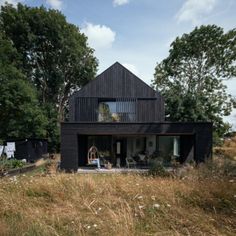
119,110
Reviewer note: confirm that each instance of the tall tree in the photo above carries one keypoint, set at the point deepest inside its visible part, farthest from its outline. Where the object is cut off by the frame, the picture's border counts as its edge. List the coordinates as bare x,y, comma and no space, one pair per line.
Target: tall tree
55,55
21,115
9,60
191,77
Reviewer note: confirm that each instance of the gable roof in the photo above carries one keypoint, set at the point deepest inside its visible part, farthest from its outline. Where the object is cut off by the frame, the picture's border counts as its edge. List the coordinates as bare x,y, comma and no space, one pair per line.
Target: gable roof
117,82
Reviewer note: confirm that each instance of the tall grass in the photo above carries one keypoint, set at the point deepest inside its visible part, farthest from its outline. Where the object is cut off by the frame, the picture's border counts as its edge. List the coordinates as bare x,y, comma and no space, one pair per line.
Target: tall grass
198,202
228,150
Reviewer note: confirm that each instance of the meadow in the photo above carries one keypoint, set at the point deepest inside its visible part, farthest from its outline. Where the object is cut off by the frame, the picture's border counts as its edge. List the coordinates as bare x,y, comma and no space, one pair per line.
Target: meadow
190,201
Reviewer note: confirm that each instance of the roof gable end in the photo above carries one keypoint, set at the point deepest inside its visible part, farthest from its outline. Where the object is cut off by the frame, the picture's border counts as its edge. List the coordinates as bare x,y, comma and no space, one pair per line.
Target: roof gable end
117,82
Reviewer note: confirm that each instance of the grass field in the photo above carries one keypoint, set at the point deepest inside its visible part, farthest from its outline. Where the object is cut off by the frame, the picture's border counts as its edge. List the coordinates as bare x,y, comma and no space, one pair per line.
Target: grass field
195,202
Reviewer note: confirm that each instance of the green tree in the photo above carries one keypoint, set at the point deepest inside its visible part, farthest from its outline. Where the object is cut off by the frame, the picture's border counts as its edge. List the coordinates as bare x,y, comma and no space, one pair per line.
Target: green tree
21,115
53,128
55,55
9,60
191,77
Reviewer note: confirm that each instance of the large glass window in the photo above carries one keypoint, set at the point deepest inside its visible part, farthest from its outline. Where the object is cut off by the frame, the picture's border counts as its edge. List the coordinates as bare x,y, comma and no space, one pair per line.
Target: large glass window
169,148
116,111
107,111
126,110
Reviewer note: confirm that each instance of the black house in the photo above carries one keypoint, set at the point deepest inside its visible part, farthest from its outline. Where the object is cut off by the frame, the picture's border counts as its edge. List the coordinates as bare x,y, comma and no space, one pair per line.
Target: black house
125,118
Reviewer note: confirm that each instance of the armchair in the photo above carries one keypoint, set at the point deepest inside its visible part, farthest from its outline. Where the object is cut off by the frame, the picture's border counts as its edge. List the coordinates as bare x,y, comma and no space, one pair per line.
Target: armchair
130,162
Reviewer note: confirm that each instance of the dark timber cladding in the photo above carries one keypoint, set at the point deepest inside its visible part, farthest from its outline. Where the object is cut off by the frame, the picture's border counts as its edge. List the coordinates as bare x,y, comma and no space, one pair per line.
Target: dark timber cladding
197,135
119,84
29,149
118,103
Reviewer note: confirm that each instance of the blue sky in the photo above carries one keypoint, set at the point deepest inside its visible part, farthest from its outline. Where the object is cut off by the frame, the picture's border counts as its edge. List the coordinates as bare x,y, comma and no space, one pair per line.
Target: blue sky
137,33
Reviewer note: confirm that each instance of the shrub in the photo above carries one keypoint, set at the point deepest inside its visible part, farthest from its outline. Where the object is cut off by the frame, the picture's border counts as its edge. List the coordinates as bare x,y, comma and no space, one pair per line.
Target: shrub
6,164
157,169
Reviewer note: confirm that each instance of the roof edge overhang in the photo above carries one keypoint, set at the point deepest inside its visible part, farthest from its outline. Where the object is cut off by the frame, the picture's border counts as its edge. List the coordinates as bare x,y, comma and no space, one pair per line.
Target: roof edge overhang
144,123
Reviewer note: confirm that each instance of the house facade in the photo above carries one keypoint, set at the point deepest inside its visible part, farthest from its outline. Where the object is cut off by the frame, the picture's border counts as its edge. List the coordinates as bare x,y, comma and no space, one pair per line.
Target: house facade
124,117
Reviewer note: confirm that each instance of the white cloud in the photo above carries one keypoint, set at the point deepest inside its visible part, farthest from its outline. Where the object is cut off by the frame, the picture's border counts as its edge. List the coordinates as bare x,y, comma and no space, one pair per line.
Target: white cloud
99,36
56,4
132,68
194,10
120,2
13,2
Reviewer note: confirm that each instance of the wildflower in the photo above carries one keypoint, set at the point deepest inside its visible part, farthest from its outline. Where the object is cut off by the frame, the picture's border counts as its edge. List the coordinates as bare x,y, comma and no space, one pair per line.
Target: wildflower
99,209
72,222
231,181
140,197
156,205
88,227
95,225
140,207
168,205
137,184
13,179
153,198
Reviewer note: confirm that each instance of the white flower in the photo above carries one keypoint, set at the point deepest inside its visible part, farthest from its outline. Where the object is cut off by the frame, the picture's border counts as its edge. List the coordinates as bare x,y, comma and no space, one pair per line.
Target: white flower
156,205
168,205
140,197
14,178
88,227
231,181
153,198
140,207
95,225
99,209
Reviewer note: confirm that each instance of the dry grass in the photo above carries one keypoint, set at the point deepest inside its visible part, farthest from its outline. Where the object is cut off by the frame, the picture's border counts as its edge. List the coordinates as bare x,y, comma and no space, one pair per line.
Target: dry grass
200,202
228,149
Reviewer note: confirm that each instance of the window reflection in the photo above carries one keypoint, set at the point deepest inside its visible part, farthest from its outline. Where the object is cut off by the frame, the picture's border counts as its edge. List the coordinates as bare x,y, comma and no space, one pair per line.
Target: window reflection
116,111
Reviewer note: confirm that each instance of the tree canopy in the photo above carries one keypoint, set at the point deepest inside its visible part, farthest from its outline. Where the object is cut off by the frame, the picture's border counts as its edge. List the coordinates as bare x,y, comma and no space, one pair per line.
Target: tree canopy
21,115
191,77
43,59
55,55
9,60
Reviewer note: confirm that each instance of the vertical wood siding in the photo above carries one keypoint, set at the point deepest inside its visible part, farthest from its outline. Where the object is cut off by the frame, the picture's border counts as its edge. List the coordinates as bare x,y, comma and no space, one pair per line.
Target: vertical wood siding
86,109
116,83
